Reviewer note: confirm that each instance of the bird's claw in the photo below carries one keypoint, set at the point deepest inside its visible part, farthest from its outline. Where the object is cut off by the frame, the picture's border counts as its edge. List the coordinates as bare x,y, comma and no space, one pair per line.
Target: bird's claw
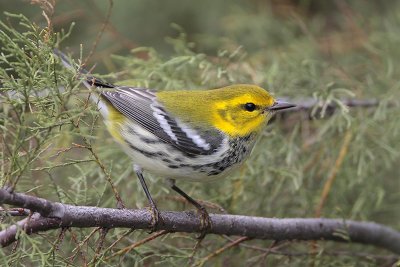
156,219
205,222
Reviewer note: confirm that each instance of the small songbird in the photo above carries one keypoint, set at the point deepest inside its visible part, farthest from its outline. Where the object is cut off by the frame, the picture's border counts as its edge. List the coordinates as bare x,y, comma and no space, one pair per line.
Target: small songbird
193,135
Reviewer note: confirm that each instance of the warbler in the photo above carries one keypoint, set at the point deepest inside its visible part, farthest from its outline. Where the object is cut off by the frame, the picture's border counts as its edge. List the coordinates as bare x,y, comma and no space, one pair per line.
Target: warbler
194,135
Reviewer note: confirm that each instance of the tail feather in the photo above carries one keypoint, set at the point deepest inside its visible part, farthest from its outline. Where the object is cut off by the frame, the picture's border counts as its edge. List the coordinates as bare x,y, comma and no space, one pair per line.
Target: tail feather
89,82
66,61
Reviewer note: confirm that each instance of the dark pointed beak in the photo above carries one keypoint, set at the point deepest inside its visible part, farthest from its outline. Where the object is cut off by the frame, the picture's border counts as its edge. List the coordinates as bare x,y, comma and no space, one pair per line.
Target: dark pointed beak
279,105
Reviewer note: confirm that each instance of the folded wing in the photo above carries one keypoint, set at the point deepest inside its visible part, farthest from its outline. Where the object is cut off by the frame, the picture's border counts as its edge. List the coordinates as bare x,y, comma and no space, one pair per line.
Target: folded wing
141,106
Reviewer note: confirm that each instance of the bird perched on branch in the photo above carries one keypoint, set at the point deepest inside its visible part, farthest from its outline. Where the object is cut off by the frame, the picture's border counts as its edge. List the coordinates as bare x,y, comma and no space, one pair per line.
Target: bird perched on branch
195,135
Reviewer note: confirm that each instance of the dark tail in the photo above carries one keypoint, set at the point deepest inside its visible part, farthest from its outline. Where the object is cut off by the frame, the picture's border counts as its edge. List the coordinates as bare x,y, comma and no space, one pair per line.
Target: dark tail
90,80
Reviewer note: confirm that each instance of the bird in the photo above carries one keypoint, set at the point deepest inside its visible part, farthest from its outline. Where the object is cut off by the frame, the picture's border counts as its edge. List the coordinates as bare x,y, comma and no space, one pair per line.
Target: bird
184,135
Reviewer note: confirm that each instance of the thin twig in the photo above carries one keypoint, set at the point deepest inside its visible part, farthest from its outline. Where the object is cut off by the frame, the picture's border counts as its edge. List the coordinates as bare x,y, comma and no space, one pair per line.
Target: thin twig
80,244
75,239
277,250
307,104
137,244
100,33
194,250
100,243
333,173
120,203
13,212
58,242
329,182
224,248
118,240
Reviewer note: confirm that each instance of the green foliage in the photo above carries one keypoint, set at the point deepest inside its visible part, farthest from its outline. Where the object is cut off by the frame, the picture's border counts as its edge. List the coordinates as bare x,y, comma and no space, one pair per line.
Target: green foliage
55,146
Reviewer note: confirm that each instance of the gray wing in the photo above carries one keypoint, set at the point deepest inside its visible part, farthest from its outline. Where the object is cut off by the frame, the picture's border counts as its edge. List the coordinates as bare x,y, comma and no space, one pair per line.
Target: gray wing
140,105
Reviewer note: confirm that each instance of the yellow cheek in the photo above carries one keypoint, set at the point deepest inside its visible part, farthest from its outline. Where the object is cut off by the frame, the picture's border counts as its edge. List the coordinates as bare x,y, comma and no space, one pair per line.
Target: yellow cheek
253,125
239,126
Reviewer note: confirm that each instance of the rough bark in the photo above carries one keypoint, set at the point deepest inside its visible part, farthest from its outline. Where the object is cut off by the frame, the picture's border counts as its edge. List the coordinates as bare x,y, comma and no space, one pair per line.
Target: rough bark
52,215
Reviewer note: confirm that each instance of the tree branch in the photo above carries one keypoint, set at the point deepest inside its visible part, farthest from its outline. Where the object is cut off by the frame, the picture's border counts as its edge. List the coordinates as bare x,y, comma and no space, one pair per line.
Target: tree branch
52,215
310,103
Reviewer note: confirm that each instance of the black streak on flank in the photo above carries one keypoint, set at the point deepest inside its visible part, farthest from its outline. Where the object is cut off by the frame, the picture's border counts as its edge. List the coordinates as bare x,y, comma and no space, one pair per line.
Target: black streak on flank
143,138
158,155
173,166
141,151
149,141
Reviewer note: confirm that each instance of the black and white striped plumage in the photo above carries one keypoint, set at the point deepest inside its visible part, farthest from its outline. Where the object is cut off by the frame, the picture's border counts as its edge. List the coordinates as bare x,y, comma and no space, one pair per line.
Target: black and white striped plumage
160,143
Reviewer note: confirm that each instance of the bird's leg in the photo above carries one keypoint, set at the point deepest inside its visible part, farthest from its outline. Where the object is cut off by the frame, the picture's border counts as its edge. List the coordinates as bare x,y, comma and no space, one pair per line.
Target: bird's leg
205,218
156,217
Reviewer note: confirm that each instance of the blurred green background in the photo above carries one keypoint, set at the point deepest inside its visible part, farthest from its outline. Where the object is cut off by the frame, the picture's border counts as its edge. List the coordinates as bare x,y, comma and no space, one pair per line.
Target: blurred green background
305,49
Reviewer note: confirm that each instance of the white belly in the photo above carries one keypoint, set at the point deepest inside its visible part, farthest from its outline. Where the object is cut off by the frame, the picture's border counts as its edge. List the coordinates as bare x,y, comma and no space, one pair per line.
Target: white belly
164,160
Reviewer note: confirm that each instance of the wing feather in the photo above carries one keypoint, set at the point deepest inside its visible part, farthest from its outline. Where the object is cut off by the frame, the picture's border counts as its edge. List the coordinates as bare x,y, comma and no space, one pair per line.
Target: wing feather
141,106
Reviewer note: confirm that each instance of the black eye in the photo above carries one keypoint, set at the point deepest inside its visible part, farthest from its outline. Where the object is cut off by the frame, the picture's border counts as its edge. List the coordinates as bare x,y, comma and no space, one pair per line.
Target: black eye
249,107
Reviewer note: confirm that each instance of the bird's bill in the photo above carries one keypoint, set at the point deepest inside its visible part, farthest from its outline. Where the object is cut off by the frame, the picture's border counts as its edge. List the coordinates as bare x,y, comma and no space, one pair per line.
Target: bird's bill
279,105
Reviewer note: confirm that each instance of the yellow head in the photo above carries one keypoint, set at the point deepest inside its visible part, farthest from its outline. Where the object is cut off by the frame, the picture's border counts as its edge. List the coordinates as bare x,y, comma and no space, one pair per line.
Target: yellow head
236,110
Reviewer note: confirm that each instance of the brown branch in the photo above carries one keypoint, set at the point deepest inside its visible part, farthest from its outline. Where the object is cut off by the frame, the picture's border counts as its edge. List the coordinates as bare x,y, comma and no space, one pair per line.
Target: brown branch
308,104
100,33
53,215
332,176
139,243
224,248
